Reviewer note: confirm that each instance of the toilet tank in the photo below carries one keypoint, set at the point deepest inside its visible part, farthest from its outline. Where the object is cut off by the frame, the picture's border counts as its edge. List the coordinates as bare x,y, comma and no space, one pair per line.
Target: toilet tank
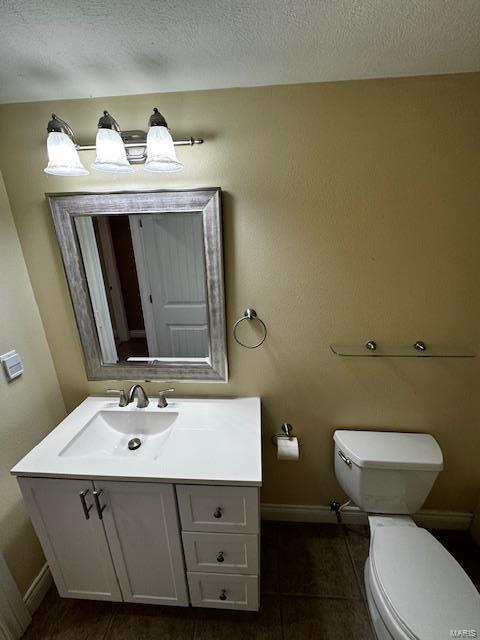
386,472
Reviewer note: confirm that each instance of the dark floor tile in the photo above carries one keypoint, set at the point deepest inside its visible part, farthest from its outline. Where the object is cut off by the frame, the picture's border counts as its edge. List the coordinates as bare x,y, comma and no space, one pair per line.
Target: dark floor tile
269,558
358,541
152,622
45,619
324,619
464,549
215,624
85,620
313,560
134,609
67,619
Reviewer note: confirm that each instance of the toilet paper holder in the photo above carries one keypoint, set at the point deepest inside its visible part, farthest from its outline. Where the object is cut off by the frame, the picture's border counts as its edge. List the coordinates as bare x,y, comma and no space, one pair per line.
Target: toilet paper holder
287,432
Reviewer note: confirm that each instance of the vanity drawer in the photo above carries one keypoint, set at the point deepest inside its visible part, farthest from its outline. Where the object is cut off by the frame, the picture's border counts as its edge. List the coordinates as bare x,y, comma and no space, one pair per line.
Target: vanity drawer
218,508
223,591
221,552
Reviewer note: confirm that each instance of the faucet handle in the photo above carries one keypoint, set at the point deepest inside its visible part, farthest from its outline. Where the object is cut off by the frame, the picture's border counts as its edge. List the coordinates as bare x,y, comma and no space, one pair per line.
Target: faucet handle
162,400
122,402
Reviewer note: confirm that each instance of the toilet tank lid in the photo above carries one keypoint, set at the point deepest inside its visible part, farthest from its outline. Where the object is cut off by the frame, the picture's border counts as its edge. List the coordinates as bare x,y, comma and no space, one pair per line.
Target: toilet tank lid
388,450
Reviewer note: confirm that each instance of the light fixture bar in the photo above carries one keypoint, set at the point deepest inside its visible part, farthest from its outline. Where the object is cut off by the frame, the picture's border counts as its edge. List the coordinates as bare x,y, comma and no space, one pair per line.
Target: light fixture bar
116,150
143,143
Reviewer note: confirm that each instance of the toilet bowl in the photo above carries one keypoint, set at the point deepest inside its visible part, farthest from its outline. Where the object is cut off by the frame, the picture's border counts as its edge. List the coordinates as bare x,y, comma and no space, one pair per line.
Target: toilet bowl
415,589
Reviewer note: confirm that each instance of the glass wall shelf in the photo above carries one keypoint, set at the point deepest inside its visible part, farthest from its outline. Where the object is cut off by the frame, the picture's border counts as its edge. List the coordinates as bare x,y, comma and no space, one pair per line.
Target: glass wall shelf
417,350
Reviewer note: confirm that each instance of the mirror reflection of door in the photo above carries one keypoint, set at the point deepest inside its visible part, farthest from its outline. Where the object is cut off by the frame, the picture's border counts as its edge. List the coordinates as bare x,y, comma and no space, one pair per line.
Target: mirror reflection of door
170,261
148,272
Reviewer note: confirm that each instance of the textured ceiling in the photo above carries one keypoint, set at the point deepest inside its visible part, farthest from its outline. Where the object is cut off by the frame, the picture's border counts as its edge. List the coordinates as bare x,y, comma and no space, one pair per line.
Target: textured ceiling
54,49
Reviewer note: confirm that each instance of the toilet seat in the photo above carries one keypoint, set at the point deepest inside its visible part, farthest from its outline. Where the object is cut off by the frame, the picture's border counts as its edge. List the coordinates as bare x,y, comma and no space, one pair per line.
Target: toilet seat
420,590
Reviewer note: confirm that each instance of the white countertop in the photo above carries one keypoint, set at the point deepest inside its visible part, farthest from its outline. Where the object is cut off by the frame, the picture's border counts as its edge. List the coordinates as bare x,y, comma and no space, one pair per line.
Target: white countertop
212,441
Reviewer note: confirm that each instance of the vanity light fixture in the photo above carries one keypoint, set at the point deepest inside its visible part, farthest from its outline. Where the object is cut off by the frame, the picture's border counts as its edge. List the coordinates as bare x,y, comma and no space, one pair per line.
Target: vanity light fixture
62,149
116,150
161,154
111,154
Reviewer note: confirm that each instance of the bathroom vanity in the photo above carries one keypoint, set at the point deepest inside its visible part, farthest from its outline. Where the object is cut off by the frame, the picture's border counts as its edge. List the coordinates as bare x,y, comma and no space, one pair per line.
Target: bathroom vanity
174,521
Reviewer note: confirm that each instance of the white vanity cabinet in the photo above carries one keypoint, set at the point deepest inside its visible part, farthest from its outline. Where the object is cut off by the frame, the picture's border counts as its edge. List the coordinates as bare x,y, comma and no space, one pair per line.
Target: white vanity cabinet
109,540
124,540
174,521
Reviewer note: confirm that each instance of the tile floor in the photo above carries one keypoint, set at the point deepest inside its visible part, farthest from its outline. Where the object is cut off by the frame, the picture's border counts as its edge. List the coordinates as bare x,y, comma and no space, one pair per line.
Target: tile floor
312,588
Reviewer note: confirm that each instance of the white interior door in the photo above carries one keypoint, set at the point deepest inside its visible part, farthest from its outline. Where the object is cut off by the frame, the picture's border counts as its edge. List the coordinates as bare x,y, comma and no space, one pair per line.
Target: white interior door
169,251
96,287
75,547
112,275
141,523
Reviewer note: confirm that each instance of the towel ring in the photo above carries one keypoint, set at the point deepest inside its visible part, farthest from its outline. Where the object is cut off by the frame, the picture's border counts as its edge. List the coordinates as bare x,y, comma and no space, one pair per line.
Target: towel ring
249,314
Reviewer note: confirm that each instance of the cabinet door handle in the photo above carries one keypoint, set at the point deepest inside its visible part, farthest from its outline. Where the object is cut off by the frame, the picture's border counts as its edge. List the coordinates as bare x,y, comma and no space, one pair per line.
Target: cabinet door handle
220,557
100,508
218,512
85,507
223,595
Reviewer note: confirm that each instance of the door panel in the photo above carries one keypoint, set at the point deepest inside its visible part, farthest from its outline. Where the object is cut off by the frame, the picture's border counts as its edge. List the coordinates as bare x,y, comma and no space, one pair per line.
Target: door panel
169,252
76,548
141,523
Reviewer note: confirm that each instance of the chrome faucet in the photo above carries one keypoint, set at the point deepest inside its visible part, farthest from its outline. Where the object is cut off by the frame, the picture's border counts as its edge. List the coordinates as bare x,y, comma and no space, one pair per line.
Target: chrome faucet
137,391
162,400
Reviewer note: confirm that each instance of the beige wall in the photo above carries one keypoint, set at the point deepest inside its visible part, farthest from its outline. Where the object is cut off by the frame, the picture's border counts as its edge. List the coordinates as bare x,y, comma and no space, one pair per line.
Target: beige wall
351,211
29,406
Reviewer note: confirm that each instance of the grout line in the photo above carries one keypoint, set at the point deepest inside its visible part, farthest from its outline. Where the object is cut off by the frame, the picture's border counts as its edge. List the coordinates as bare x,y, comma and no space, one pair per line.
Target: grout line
109,626
276,581
312,596
276,560
282,629
355,572
362,591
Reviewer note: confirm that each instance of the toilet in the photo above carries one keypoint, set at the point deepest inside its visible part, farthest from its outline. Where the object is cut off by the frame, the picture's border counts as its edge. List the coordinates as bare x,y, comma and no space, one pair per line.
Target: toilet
415,589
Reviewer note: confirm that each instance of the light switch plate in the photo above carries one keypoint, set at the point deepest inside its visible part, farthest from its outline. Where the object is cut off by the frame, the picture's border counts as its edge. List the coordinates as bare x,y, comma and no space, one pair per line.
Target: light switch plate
12,364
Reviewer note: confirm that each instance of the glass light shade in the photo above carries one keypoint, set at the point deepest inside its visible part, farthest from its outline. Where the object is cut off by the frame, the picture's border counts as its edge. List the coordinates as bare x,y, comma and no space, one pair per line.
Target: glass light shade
111,154
161,154
63,157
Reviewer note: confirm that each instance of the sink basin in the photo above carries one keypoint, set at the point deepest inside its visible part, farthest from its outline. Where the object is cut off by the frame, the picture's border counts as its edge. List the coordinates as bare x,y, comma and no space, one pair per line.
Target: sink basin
192,440
126,434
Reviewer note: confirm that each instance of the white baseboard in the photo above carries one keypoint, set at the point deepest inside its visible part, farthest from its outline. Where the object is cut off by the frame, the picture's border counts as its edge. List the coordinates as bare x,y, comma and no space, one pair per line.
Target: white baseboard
429,518
310,513
38,589
433,519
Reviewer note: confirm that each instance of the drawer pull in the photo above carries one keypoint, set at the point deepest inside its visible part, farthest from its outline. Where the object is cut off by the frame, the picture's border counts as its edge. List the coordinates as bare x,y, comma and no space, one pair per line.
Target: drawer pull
218,512
223,595
220,557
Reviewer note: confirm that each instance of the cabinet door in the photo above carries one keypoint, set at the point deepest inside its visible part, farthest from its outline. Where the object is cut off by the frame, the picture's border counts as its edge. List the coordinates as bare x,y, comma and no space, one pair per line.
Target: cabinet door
75,546
141,523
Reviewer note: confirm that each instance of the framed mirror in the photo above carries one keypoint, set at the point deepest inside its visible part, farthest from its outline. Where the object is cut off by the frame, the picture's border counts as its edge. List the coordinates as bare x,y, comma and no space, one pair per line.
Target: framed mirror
145,273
